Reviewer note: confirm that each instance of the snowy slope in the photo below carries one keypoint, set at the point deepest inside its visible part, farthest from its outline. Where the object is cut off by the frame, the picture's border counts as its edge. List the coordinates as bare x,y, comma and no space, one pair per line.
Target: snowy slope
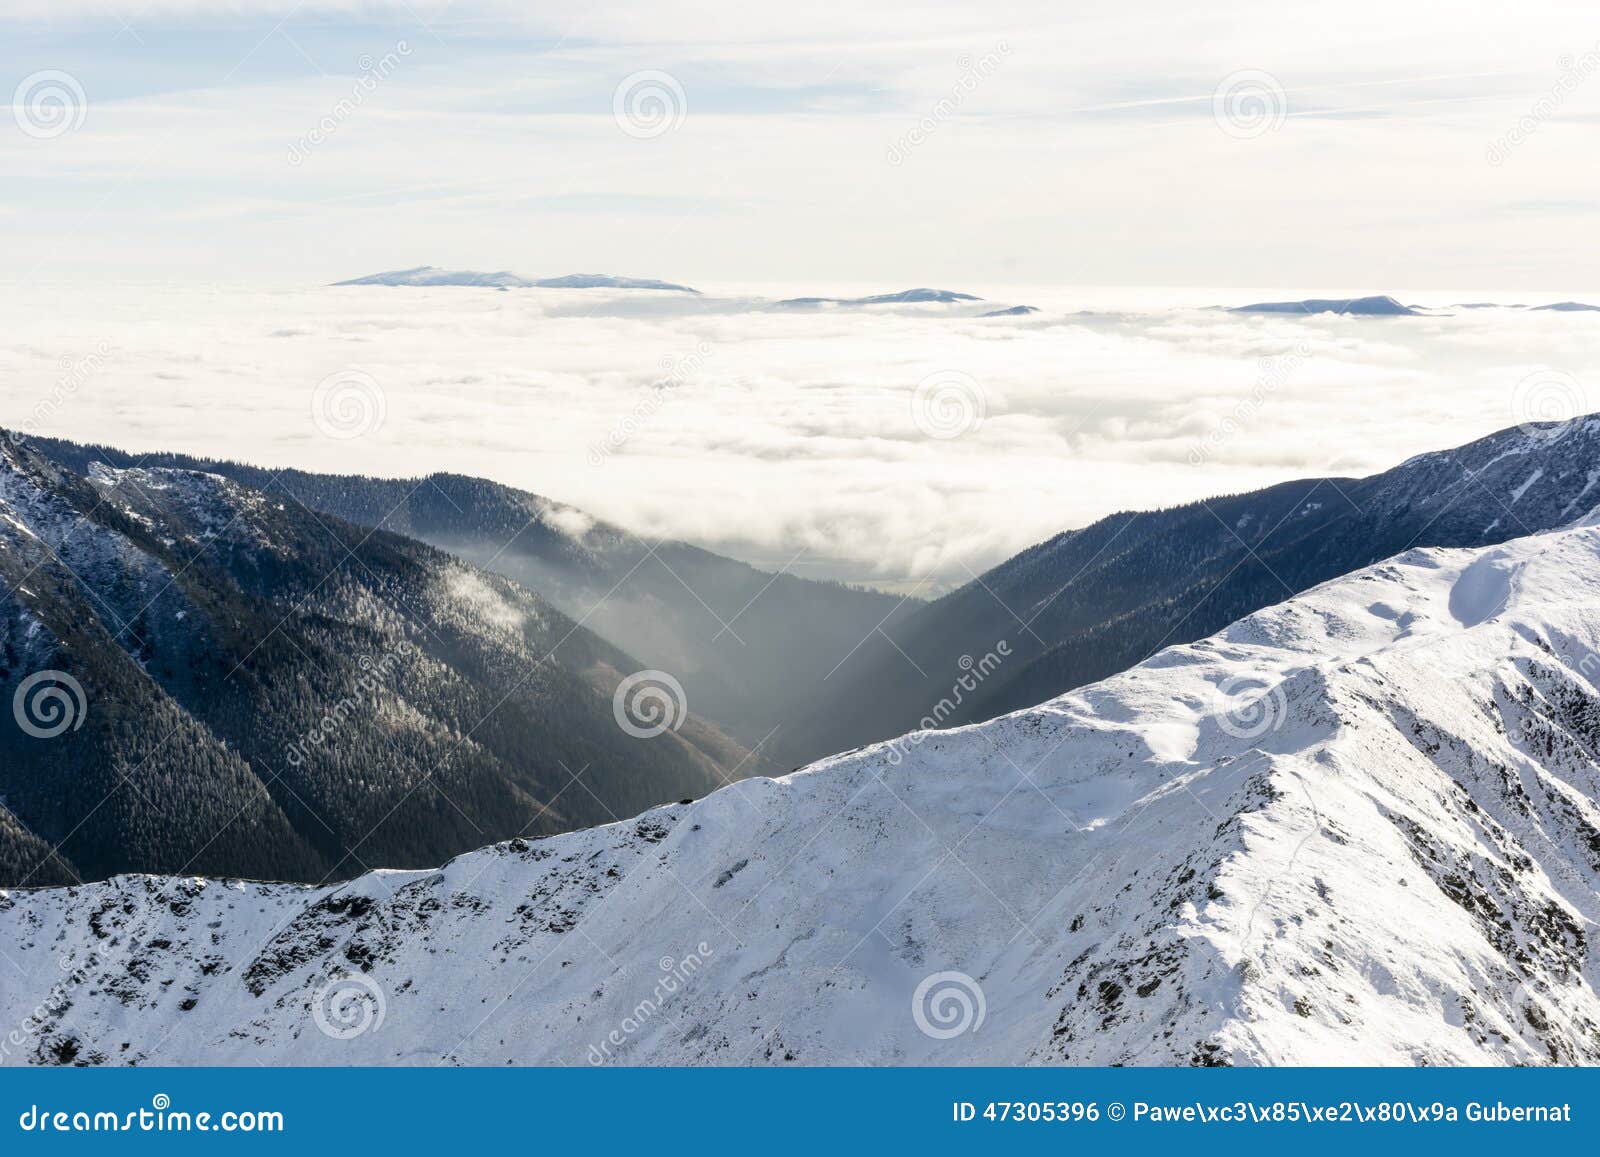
1357,827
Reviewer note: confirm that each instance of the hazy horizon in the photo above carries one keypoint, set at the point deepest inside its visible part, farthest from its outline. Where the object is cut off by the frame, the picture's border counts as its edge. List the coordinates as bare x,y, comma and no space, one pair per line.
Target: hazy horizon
905,447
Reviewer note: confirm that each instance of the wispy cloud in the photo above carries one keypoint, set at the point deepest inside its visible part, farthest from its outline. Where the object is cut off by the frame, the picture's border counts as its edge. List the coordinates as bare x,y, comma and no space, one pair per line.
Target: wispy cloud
1089,157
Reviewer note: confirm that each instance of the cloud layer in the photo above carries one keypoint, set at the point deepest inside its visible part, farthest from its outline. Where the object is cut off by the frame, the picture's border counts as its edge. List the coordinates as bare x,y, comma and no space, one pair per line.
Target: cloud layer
897,445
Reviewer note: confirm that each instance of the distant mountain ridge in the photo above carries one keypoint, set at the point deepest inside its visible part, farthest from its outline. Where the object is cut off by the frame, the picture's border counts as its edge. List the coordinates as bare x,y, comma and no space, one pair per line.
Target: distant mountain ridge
429,275
424,276
802,669
741,640
903,297
1377,306
1091,602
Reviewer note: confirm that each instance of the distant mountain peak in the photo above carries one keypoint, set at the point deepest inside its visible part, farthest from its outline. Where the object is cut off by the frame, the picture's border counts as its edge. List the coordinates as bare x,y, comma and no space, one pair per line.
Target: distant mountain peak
432,275
607,281
919,296
1380,305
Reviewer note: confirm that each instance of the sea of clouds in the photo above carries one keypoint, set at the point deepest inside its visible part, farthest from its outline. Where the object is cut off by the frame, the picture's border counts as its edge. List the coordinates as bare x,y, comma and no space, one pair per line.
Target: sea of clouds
905,446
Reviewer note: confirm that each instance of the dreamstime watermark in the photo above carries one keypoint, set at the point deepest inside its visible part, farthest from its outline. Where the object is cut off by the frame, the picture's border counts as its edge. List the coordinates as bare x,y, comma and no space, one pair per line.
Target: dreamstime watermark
972,73
1571,71
362,698
373,74
1533,728
678,370
1544,403
1275,373
74,373
649,703
649,104
348,403
45,1013
49,703
49,104
1249,103
948,403
160,1117
1248,706
349,1005
974,672
674,978
947,1004
1531,1007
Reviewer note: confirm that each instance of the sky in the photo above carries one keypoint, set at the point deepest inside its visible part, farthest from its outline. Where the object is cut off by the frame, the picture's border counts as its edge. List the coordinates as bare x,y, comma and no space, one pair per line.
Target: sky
291,144
183,180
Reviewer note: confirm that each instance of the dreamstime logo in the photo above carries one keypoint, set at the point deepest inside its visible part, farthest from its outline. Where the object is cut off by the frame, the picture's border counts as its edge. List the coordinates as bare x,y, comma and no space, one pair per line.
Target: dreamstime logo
972,74
48,704
54,1004
948,404
947,1004
678,370
363,695
675,977
1248,708
1275,374
974,672
1570,73
373,73
649,703
1543,402
649,104
348,404
348,1006
74,373
1532,1008
49,104
1249,103
1533,726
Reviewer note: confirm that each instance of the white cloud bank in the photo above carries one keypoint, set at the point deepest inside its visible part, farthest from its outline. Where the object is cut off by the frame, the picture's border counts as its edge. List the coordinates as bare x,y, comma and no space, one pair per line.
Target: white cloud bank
766,433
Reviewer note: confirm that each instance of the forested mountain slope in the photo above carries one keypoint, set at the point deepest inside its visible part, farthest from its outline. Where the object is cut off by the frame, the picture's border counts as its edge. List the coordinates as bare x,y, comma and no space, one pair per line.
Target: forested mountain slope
197,676
1089,603
749,646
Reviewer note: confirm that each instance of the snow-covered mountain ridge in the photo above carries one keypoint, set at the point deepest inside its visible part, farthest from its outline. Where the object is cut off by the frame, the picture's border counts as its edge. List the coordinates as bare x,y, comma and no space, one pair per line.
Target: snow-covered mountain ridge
1357,827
